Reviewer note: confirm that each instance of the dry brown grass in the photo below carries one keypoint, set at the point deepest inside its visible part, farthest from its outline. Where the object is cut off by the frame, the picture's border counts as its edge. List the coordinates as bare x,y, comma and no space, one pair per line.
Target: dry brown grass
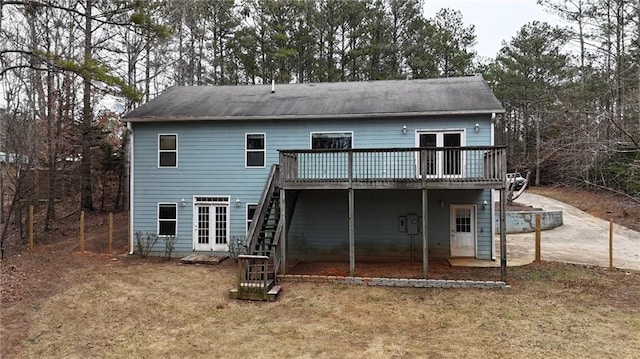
163,310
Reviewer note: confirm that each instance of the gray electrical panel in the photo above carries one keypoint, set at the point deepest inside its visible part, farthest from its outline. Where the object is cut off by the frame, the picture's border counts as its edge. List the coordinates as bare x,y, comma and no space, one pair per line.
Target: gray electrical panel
412,224
402,224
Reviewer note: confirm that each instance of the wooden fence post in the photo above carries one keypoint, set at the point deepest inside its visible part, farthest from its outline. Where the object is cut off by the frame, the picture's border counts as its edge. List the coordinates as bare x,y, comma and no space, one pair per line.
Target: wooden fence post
537,237
82,231
110,232
610,245
31,227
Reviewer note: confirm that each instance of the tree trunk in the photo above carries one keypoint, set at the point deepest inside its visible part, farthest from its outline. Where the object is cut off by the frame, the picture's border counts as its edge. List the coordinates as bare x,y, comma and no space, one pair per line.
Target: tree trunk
86,194
50,215
537,121
147,68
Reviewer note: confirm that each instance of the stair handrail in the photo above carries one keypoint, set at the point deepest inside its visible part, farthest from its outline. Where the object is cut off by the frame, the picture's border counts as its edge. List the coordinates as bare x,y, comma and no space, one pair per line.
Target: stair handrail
258,216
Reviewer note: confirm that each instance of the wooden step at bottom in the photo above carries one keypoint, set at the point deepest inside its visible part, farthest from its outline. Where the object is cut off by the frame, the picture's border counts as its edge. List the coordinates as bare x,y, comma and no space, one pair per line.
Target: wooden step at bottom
273,293
233,293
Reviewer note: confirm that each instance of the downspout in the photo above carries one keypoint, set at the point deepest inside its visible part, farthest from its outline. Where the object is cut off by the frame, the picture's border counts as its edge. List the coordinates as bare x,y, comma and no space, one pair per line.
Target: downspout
493,195
493,224
493,128
131,192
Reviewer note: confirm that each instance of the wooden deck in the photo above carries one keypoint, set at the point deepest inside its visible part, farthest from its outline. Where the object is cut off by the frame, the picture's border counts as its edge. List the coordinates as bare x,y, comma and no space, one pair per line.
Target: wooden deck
394,168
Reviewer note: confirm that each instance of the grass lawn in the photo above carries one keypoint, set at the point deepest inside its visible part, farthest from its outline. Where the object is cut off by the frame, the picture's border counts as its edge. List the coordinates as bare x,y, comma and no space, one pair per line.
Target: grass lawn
152,309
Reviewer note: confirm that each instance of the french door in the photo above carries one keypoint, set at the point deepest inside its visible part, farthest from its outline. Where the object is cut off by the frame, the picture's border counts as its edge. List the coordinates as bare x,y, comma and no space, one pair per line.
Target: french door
444,162
211,224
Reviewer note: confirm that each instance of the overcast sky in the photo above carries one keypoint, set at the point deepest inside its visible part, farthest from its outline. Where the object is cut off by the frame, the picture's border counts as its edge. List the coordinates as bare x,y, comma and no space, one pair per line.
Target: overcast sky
495,20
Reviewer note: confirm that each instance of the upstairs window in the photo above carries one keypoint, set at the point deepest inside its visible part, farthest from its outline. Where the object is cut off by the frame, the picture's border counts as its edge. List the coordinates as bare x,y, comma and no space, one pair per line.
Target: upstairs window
255,149
167,219
167,150
331,140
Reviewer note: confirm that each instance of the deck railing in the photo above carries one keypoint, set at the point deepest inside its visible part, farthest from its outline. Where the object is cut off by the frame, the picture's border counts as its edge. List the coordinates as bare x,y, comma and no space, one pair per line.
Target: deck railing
253,281
455,164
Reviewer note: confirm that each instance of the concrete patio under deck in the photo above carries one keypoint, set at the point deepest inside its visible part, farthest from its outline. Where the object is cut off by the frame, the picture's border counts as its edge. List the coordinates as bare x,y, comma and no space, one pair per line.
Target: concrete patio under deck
438,269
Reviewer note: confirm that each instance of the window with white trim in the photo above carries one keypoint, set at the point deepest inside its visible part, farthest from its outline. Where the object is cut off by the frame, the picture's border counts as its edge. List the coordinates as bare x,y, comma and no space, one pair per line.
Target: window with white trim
331,140
255,149
167,219
251,211
167,150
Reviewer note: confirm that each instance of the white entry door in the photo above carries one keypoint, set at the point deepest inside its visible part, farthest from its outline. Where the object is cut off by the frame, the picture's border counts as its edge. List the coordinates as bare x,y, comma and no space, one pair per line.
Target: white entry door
211,227
463,230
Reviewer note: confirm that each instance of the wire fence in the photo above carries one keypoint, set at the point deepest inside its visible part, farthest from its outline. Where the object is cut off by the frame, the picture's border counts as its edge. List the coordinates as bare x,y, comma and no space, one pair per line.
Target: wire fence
602,244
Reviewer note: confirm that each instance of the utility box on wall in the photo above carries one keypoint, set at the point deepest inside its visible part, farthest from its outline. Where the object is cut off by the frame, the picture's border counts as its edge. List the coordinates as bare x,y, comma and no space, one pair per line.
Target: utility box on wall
412,224
402,224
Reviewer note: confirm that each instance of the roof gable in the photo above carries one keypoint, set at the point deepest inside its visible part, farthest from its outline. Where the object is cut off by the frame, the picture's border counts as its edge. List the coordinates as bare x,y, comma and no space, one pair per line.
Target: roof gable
459,95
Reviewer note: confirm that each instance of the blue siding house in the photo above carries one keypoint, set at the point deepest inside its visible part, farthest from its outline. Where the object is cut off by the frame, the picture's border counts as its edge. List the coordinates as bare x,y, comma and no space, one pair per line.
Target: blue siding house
354,171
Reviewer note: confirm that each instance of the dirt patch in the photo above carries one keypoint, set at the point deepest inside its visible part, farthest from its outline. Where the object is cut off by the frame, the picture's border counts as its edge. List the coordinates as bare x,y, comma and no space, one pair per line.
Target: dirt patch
58,251
601,204
30,278
515,206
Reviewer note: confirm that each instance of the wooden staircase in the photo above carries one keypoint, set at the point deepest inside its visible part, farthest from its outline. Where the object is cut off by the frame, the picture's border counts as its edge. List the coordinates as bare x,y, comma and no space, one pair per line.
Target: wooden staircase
258,268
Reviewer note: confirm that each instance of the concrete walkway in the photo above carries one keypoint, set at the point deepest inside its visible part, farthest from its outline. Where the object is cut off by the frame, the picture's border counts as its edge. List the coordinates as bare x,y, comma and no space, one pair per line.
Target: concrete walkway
582,239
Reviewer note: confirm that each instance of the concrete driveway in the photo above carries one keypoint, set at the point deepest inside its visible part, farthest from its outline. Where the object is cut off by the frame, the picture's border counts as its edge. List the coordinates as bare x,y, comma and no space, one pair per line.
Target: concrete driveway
582,239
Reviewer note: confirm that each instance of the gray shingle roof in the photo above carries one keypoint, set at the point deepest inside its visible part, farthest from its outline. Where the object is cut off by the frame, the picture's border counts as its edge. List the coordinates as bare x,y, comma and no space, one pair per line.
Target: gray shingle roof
458,95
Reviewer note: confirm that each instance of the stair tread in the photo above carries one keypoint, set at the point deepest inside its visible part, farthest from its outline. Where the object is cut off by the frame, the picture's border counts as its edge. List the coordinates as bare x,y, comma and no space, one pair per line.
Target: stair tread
275,290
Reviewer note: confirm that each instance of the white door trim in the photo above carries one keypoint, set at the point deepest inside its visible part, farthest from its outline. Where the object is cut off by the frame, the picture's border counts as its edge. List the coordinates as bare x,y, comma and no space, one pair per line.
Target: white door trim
473,228
196,227
440,160
212,204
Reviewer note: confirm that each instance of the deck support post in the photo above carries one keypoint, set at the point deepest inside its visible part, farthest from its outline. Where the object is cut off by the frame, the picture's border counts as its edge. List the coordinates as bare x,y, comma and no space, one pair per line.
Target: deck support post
424,164
352,253
352,231
283,234
425,233
503,235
